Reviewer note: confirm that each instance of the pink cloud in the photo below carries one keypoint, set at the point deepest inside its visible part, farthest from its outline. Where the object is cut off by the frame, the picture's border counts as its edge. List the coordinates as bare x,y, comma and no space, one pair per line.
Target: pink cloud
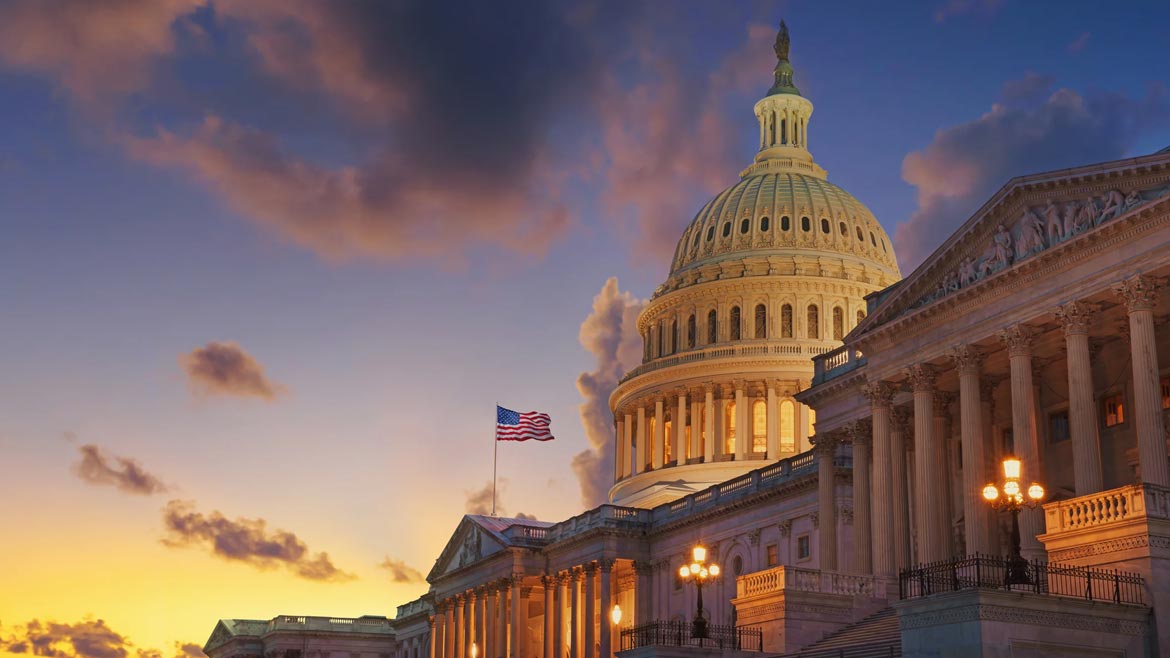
226,369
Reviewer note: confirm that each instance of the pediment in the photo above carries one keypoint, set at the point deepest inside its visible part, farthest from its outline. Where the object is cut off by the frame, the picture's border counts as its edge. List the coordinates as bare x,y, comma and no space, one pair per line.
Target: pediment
1026,218
470,543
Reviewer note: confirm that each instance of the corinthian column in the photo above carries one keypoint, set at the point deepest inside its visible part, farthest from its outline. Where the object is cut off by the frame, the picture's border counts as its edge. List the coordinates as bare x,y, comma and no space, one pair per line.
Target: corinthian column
900,504
1082,408
709,423
628,441
574,612
618,467
590,608
862,537
773,421
927,498
559,617
643,446
460,627
605,643
880,395
658,451
449,630
1141,294
678,447
743,432
968,362
550,588
826,448
431,633
1018,340
501,634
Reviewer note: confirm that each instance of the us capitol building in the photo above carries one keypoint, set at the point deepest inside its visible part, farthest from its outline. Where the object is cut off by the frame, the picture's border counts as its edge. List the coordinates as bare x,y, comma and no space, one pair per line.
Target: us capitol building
827,431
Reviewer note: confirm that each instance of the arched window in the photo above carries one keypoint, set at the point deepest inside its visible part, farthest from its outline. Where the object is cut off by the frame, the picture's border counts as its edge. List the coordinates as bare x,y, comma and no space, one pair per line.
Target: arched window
760,426
701,423
783,131
838,323
646,353
841,227
727,229
787,426
674,336
667,448
860,235
710,234
786,321
651,426
765,224
695,244
785,223
661,347
884,249
729,429
734,323
824,225
691,331
805,224
712,327
860,316
745,225
761,321
814,321
872,239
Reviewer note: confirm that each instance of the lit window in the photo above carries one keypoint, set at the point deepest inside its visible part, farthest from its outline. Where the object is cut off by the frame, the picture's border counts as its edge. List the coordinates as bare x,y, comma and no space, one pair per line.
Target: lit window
760,426
860,316
761,321
786,321
667,440
814,321
1166,392
729,429
712,326
1058,426
734,323
650,440
773,555
803,547
838,323
1114,411
787,426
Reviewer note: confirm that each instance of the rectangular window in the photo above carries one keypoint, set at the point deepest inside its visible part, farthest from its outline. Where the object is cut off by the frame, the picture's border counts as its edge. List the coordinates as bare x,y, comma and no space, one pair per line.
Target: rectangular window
773,555
668,439
1166,392
1113,410
1058,426
803,548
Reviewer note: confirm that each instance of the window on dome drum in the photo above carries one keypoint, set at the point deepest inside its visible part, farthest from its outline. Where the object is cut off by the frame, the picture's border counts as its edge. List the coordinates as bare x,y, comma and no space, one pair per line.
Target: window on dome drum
785,223
666,434
841,226
765,224
759,426
712,327
652,425
872,239
761,321
745,225
710,234
884,249
1166,392
687,440
1058,426
1114,410
661,347
674,336
860,235
729,429
786,321
701,423
860,316
787,426
734,323
824,225
727,229
838,323
691,332
783,131
814,321
805,224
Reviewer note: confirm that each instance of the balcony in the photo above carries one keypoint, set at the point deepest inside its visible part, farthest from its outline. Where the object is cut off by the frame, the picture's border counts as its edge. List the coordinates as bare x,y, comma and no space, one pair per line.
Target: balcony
834,363
785,347
678,634
1131,503
796,579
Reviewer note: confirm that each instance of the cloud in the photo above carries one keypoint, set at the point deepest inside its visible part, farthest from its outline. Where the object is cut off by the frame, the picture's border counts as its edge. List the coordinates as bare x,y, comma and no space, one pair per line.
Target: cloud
479,501
1078,44
1032,129
401,572
246,540
226,369
124,473
954,8
88,638
610,334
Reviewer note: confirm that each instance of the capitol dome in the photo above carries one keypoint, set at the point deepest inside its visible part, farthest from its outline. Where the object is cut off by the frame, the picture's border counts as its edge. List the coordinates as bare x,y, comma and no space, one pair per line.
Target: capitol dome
771,272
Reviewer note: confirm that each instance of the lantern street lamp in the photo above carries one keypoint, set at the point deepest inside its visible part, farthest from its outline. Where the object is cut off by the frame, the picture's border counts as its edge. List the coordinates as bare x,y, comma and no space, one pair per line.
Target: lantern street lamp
1009,497
699,571
615,615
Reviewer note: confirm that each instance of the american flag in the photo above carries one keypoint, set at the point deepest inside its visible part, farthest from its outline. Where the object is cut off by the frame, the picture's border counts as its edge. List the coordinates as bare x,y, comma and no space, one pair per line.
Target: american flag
516,426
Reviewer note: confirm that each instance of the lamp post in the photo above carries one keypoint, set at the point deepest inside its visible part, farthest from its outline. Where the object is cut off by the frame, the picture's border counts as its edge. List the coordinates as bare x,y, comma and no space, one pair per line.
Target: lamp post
699,571
1008,497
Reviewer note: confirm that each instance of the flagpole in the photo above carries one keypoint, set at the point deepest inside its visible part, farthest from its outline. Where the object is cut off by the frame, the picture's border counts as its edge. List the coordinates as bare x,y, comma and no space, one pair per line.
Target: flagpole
495,456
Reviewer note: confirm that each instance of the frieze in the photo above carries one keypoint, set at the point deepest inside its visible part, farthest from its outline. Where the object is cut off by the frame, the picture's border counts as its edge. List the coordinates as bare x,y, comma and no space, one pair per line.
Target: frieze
1029,235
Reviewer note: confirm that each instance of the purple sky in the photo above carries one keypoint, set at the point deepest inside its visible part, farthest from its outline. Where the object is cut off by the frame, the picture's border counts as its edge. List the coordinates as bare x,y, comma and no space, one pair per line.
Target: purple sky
278,259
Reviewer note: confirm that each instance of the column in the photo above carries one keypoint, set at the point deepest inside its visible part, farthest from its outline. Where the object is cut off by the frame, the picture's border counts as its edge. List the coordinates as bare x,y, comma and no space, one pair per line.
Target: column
516,636
773,421
628,441
679,427
521,621
619,460
826,448
1082,408
449,630
709,422
643,447
642,594
474,633
501,639
439,639
606,576
880,395
862,526
1018,340
489,619
431,635
968,361
574,612
696,414
1140,294
990,457
460,626
590,608
927,500
743,432
550,586
940,472
558,617
898,487
657,451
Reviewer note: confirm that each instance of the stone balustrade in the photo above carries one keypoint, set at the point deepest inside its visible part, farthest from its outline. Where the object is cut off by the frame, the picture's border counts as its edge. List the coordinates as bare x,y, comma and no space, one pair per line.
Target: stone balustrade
796,579
778,347
302,623
835,363
1108,507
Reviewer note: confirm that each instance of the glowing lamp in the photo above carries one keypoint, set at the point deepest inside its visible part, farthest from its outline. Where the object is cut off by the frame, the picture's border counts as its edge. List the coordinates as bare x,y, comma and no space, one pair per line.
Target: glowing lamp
1011,468
474,650
714,570
1011,488
683,571
694,567
1035,492
615,615
699,554
990,492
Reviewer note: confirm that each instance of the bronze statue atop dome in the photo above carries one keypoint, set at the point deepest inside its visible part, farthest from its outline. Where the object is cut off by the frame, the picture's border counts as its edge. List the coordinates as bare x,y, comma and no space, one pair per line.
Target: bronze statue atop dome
782,42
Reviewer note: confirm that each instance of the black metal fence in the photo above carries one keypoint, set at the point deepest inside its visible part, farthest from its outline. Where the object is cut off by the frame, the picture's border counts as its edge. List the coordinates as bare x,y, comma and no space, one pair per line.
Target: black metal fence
678,634
994,572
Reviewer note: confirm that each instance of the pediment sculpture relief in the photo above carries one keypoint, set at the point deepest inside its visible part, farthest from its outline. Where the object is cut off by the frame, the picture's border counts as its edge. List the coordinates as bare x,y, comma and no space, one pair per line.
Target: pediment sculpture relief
1038,229
472,549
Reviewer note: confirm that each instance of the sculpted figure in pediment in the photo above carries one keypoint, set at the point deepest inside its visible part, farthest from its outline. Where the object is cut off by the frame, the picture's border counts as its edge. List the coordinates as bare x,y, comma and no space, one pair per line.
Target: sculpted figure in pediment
1133,200
1114,205
1053,223
1070,218
1031,234
1086,216
1001,257
967,272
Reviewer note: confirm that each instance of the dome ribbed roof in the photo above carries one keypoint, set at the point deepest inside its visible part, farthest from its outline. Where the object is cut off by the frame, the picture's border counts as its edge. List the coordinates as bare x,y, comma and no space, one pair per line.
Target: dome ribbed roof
778,207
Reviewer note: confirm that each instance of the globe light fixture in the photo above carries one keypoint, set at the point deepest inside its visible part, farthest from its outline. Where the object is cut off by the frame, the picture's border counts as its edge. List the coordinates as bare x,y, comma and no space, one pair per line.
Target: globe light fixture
474,650
615,615
699,571
1009,497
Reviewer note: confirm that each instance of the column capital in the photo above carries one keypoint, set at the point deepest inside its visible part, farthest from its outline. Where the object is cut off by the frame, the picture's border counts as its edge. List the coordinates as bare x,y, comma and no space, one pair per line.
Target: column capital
785,528
1140,293
525,592
967,360
606,564
1017,339
825,442
860,432
643,568
459,598
1075,317
431,622
922,376
548,580
739,384
879,393
516,579
590,568
696,392
726,391
708,387
679,392
472,595
815,517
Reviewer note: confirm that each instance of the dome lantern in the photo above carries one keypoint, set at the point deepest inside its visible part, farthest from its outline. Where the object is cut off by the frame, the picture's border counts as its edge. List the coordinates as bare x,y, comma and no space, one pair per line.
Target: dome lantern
783,115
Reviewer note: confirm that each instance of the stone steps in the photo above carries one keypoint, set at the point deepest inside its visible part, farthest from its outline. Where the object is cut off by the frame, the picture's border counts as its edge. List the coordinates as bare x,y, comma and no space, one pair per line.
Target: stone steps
876,636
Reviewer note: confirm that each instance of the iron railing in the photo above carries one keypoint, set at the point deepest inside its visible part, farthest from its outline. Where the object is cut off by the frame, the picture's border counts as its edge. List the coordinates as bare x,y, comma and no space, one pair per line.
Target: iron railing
994,572
678,634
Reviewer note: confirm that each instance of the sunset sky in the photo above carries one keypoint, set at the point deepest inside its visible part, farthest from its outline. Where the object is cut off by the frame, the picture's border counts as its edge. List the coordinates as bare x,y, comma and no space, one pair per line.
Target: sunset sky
267,265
